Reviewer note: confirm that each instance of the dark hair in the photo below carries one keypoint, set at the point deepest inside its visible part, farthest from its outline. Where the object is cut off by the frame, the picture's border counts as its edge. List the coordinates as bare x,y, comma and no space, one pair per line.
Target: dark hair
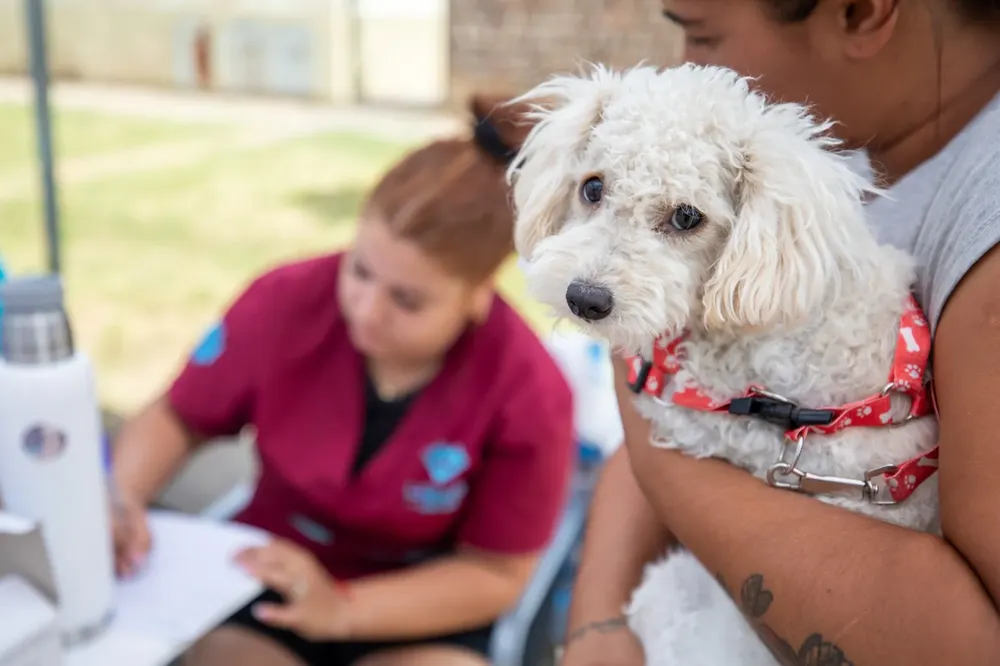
451,197
793,11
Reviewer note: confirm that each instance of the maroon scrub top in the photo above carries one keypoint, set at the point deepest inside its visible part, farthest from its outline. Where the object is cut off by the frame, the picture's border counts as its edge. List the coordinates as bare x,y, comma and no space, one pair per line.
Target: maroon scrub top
482,457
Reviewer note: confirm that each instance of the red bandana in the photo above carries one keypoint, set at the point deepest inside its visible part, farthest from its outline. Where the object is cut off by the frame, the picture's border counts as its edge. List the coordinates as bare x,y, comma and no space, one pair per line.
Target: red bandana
907,376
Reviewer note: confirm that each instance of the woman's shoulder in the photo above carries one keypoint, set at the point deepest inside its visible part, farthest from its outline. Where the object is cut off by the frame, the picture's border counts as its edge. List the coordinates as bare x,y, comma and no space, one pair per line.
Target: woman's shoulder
962,222
520,360
298,281
298,300
947,211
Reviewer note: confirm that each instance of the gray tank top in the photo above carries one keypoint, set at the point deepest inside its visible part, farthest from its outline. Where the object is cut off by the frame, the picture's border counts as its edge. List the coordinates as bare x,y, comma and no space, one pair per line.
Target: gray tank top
946,212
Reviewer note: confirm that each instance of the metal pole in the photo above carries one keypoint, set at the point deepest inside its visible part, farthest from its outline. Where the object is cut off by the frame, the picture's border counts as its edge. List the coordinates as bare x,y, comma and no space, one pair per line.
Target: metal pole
35,14
354,46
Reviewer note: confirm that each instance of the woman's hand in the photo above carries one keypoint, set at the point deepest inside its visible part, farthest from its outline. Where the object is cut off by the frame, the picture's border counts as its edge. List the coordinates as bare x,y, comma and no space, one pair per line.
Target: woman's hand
316,608
131,534
603,645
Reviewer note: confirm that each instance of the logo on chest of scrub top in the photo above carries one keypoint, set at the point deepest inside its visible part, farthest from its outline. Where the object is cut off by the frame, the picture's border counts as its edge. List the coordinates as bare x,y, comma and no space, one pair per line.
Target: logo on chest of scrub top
444,463
430,500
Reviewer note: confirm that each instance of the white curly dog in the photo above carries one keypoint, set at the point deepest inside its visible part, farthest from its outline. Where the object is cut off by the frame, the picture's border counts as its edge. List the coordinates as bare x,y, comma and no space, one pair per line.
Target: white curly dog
720,241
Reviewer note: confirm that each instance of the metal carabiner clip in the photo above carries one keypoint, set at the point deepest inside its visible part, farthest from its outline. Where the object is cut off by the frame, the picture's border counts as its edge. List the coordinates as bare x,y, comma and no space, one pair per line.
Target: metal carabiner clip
779,471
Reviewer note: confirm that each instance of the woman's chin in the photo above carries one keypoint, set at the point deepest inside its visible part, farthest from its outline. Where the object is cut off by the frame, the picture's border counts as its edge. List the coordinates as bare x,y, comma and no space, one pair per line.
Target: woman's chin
367,344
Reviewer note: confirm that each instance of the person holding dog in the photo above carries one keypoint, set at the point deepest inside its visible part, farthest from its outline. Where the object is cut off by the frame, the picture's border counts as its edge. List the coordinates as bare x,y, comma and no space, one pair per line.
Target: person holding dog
916,83
415,436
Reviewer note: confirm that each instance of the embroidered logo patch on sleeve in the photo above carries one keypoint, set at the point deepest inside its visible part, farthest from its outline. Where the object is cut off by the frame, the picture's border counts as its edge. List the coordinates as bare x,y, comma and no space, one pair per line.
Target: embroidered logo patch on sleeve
212,344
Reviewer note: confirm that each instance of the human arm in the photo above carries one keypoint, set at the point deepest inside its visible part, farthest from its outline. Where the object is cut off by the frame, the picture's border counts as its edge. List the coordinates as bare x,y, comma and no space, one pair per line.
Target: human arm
446,595
467,590
623,535
857,590
149,449
210,397
140,471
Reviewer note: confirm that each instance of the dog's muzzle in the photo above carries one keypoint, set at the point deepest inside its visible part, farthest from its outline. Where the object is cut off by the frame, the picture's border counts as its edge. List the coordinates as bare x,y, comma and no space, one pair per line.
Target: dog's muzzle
590,302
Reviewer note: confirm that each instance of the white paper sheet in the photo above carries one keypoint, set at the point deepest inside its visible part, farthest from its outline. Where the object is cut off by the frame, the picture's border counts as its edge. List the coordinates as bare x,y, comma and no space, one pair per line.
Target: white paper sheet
11,524
190,583
115,648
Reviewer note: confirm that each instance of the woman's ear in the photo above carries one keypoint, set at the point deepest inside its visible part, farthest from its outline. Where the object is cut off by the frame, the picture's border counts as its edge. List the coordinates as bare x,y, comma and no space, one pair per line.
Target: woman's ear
865,27
798,224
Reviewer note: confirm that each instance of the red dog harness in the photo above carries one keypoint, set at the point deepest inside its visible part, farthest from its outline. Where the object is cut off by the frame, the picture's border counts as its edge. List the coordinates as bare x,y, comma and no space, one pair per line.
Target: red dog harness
885,485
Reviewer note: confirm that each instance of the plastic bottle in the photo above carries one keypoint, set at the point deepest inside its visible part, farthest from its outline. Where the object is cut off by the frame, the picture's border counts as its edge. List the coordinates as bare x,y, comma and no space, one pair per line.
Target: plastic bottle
51,466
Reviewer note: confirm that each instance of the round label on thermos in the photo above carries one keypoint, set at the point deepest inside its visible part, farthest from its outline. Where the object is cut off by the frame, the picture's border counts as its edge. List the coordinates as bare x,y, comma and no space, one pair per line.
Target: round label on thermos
44,442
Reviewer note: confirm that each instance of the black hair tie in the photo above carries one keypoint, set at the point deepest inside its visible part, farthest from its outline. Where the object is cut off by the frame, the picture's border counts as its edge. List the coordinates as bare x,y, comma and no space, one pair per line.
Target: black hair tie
488,139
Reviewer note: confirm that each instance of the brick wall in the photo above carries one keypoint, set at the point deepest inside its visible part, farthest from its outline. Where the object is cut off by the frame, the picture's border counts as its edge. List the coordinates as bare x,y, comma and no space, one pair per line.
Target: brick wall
499,45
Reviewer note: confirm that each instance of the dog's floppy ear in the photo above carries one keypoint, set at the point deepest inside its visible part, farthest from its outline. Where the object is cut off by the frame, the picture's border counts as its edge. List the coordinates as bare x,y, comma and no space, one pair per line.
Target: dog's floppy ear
798,220
564,110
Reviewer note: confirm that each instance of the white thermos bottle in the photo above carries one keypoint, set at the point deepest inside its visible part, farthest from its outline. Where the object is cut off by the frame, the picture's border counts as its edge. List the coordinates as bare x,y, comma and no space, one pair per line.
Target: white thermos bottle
50,450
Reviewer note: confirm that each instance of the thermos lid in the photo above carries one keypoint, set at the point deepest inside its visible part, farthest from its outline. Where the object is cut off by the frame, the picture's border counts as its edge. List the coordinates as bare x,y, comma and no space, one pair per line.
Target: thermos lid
26,295
36,330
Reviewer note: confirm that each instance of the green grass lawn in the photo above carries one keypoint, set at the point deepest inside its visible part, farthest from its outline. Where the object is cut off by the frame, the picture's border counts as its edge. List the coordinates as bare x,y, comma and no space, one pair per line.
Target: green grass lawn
78,133
152,255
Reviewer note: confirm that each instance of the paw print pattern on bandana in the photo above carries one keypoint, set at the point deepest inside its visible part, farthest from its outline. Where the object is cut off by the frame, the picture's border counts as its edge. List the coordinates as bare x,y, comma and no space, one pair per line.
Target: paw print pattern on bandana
911,474
694,398
912,354
864,411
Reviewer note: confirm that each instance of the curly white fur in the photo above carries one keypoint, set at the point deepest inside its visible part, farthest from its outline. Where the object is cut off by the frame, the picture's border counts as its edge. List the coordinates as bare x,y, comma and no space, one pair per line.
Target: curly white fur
782,286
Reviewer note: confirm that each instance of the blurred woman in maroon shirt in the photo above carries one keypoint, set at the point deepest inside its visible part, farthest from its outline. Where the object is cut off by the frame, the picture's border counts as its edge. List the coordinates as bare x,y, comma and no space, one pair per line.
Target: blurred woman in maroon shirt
415,437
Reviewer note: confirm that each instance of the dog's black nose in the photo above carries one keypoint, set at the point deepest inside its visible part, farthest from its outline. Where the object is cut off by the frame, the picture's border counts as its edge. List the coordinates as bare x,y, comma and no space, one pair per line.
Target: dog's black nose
589,301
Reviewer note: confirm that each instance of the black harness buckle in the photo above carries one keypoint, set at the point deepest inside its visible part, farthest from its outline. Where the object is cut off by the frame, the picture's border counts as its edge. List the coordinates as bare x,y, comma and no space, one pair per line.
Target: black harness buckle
640,377
787,415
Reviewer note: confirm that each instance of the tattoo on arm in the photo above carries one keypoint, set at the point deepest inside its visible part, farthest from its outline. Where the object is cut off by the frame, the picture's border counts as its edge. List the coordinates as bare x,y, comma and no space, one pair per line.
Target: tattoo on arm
755,600
607,626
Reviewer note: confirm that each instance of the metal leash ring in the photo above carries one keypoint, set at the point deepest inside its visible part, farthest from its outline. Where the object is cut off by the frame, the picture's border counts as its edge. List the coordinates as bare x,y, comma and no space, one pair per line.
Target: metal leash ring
887,392
787,468
781,470
794,462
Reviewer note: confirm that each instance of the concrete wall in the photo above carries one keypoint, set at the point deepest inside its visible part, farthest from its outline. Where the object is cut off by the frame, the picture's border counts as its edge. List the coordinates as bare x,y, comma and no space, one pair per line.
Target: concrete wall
510,45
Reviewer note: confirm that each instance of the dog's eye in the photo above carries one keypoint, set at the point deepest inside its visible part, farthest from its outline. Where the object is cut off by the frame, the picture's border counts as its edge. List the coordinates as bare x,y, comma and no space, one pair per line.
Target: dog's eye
592,190
686,218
